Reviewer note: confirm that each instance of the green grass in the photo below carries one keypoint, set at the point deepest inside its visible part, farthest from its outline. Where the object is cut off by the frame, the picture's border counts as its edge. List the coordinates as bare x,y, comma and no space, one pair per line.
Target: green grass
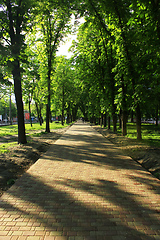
150,133
8,130
37,127
4,148
13,129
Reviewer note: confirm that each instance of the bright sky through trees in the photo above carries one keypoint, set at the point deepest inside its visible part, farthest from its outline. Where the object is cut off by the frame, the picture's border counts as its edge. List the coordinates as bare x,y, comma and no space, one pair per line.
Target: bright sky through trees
64,46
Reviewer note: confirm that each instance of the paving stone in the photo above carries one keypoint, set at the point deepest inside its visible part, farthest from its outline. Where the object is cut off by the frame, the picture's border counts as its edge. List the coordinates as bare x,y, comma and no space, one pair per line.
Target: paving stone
82,188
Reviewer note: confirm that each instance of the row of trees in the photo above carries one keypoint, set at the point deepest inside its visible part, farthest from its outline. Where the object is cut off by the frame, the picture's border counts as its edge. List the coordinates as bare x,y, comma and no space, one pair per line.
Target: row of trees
47,21
117,57
7,109
113,71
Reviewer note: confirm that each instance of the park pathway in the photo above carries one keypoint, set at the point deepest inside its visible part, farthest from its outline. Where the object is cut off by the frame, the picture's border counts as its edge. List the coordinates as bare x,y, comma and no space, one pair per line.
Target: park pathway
83,188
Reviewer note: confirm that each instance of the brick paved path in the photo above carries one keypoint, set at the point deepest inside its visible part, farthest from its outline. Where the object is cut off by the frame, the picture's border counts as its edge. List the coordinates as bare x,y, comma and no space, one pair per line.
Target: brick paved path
83,188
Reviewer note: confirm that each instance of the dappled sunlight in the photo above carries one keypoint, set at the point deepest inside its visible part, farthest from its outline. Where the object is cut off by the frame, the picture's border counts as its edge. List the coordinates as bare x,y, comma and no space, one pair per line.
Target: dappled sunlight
117,201
97,207
82,190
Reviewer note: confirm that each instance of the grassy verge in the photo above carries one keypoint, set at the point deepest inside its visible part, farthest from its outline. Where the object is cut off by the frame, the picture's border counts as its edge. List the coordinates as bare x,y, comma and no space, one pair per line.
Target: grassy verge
150,133
41,129
8,130
146,152
4,148
8,138
13,129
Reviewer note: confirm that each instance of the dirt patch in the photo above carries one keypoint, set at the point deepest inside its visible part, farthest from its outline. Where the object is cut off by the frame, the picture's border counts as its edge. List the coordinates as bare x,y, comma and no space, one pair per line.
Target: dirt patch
145,155
20,157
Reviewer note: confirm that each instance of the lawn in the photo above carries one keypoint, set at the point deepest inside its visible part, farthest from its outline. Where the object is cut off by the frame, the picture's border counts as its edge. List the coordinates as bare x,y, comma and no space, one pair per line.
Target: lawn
150,133
13,129
7,138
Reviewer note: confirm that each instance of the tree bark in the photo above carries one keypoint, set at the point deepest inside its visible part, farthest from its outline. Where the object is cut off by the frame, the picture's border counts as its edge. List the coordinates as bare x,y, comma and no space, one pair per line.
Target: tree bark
18,95
132,117
138,122
10,110
124,108
105,120
101,120
109,123
62,119
120,119
114,116
48,97
16,44
74,113
68,114
124,123
157,108
38,114
29,106
130,70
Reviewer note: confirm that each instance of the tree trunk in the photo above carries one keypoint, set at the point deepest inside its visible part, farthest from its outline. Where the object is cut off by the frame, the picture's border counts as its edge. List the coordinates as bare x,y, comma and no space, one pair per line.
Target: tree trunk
101,120
10,110
105,120
124,108
16,44
74,113
132,117
124,123
131,69
38,114
114,123
62,119
138,122
157,115
29,106
48,98
120,119
18,95
47,118
109,123
68,114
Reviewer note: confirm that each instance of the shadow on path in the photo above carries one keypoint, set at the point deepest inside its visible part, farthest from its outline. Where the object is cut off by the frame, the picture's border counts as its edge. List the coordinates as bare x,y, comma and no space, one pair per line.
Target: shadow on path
82,187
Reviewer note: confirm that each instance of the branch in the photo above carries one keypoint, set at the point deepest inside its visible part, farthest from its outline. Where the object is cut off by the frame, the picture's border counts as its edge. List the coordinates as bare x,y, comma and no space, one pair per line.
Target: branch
57,36
11,28
101,21
9,42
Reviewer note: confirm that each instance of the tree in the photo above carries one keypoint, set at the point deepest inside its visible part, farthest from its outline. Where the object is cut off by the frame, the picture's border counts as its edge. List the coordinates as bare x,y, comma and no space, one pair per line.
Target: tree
120,34
15,17
53,24
66,89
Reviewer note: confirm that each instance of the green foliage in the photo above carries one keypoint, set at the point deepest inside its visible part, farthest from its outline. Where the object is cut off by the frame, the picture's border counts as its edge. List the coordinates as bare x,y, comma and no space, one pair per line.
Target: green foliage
4,108
114,69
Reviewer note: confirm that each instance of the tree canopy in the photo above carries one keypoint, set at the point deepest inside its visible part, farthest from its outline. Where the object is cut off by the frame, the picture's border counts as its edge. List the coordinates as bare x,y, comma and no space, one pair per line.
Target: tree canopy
112,75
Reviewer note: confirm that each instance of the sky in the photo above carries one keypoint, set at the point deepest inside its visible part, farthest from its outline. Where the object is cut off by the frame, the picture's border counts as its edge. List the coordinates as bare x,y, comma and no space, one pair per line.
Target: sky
63,48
